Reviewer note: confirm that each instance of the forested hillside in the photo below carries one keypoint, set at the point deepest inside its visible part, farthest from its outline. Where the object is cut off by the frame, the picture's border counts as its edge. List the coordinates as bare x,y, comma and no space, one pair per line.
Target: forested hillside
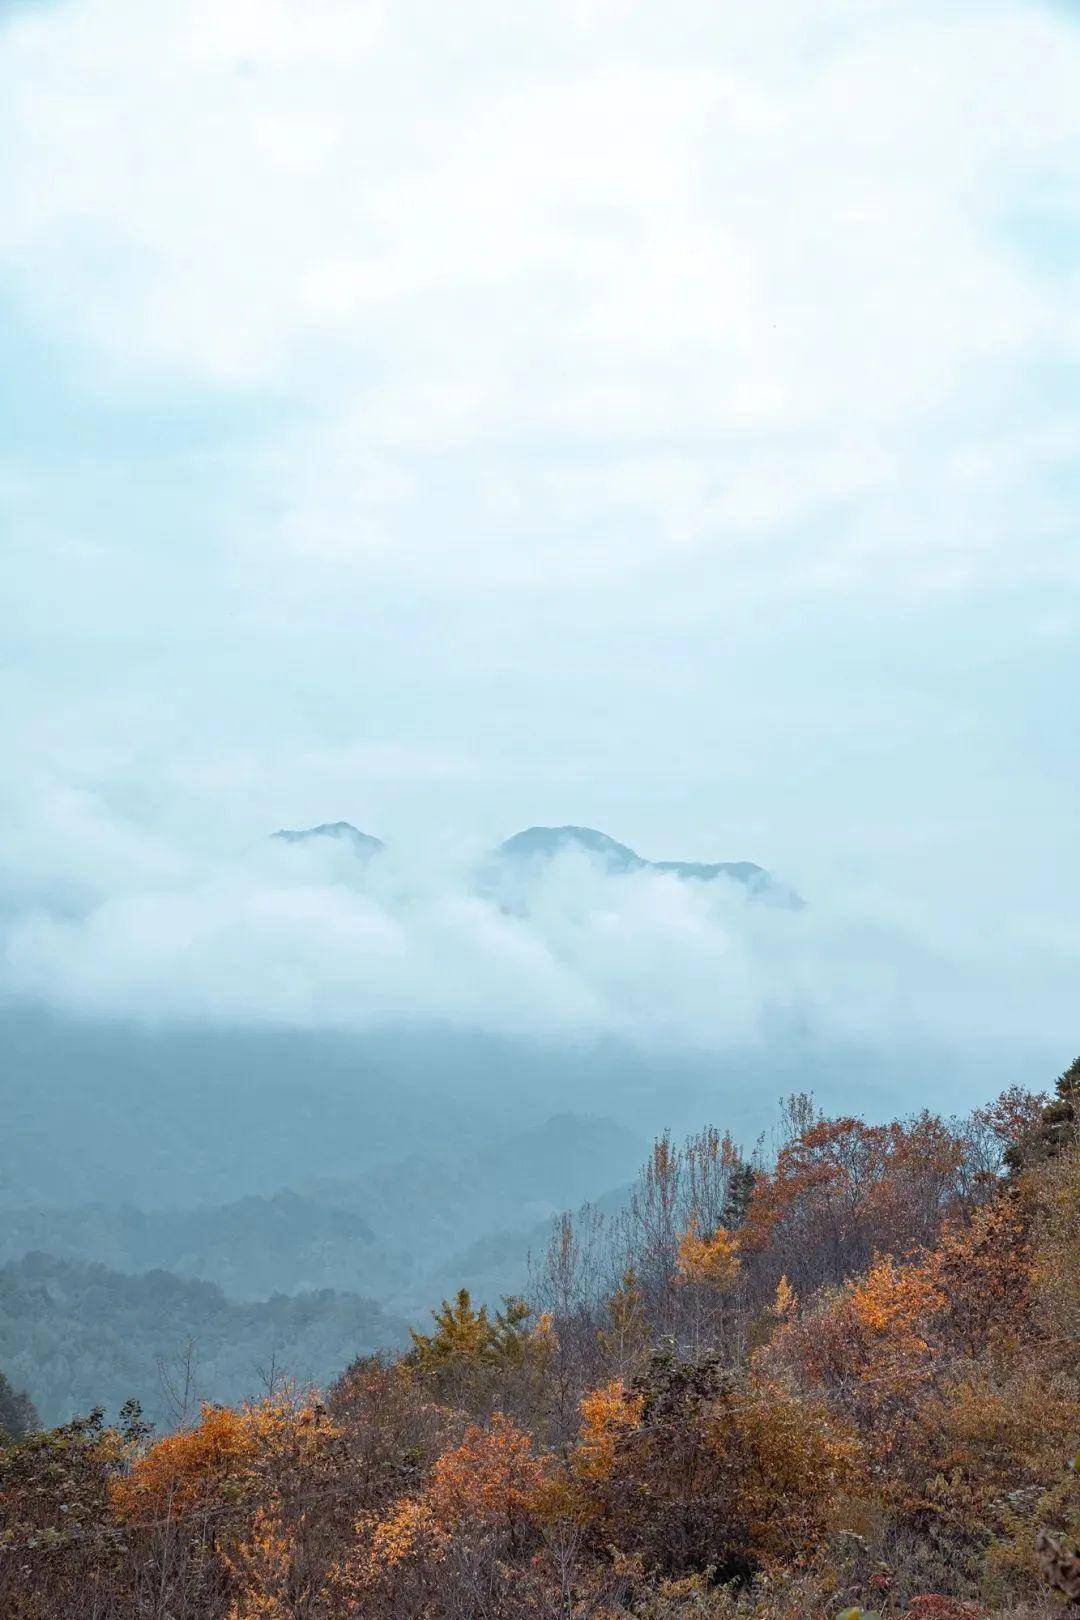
78,1335
396,1231
844,1376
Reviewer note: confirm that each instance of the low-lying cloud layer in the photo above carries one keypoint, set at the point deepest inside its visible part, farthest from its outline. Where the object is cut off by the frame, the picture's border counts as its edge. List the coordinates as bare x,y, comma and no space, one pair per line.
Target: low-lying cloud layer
309,936
451,417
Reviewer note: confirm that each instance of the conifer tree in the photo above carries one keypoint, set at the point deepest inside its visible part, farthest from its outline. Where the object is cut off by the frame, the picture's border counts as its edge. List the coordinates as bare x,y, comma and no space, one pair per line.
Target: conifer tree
1058,1125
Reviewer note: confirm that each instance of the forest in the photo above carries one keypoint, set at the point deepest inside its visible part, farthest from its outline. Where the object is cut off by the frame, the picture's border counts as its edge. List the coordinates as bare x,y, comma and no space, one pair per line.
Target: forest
838,1377
81,1335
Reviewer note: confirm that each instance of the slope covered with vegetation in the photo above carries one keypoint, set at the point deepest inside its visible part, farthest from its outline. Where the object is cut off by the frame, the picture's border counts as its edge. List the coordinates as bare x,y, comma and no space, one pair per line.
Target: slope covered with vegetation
845,1377
79,1335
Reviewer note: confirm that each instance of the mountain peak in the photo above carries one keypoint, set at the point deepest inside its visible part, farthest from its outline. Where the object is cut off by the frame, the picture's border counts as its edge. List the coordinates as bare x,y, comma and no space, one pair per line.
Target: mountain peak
343,831
544,843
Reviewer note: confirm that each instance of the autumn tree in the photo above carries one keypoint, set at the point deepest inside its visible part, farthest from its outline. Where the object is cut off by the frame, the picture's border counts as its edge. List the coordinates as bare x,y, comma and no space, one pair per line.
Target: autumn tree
393,1426
709,1259
841,1189
625,1333
694,1468
1055,1275
467,1337
482,1500
59,1552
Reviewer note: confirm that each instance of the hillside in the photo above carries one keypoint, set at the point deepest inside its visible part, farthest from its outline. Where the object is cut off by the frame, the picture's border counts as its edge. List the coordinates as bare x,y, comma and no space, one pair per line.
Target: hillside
77,1335
744,1391
397,1232
251,1248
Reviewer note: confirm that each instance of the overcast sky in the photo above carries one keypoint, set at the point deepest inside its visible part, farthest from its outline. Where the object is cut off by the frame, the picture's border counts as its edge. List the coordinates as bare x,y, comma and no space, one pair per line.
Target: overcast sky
455,417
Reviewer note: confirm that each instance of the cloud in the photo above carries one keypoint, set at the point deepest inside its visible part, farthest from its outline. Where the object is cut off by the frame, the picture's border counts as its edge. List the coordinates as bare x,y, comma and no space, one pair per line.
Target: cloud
447,416
308,937
651,281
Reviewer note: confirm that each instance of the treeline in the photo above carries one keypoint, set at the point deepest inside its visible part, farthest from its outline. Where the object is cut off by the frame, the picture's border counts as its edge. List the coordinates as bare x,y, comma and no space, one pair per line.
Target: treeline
401,1232
842,1377
79,1335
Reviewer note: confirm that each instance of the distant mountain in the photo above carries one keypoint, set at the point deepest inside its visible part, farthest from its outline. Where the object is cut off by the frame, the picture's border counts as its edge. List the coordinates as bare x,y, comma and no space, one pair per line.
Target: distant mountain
165,1116
431,1210
537,844
77,1335
251,1248
543,843
390,1231
343,831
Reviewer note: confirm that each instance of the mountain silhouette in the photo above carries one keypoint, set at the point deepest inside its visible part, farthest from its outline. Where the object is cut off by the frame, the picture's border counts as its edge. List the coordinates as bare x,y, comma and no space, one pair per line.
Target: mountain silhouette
538,844
343,831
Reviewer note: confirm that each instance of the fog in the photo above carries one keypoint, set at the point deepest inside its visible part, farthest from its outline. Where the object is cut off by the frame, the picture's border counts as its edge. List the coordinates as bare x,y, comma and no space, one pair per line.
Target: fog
308,936
476,419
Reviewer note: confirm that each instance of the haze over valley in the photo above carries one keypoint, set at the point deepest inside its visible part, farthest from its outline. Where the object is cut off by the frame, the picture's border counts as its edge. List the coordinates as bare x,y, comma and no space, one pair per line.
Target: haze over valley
252,1076
539,810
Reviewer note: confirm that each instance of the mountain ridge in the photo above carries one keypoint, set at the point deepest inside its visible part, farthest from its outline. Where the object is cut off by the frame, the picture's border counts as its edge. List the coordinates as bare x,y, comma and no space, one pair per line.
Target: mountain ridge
539,843
344,831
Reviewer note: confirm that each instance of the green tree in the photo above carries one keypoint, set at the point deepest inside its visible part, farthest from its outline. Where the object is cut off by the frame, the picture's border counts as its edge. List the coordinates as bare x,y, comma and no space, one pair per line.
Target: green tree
463,1336
467,1338
1057,1126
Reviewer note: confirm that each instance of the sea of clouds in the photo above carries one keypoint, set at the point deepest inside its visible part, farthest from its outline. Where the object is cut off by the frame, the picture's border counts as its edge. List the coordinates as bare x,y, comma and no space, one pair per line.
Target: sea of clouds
106,919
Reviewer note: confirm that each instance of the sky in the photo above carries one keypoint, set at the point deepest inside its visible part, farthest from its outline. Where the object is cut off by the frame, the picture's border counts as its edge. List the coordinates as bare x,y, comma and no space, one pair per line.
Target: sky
454,418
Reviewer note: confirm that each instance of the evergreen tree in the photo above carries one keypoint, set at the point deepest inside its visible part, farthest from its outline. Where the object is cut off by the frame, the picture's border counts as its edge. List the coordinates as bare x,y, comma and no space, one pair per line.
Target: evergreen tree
1058,1125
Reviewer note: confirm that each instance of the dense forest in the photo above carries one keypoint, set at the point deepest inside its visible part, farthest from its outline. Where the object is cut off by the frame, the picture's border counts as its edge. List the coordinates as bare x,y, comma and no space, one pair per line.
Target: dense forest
395,1231
80,1335
93,1299
839,1376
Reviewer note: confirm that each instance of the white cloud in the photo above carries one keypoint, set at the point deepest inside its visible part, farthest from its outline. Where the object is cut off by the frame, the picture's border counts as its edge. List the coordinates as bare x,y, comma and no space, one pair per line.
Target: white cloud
306,936
531,412
572,249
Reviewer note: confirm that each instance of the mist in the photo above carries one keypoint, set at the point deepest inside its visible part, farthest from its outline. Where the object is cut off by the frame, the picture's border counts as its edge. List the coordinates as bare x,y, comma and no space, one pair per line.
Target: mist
602,417
308,936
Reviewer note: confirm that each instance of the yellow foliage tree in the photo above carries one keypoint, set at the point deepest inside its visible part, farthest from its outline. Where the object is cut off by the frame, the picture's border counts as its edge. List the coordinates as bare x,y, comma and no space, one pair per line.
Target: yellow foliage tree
784,1300
462,1334
711,1260
493,1480
466,1338
627,1332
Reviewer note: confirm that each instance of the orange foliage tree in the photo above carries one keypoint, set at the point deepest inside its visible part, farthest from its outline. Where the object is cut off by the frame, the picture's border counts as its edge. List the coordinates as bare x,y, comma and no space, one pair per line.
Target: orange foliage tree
841,1189
191,1471
694,1468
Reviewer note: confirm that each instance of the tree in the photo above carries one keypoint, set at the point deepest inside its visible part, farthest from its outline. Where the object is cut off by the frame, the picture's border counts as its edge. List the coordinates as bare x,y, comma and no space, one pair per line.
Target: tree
60,1553
842,1189
467,1339
1057,1125
17,1415
695,1468
626,1333
710,1259
463,1336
